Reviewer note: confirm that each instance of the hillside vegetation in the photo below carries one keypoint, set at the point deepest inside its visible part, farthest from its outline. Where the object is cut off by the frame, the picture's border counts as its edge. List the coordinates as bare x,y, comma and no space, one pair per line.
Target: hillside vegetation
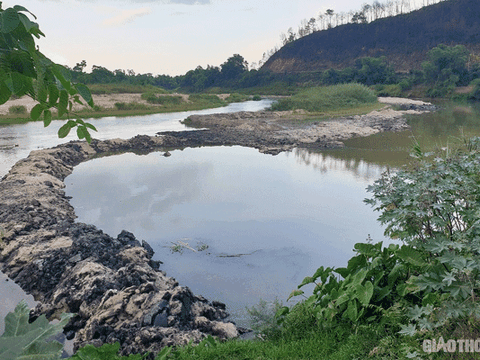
404,39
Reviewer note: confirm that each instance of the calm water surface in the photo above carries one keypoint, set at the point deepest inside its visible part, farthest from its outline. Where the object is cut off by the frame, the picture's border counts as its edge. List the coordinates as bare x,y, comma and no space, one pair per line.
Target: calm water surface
16,141
279,217
288,214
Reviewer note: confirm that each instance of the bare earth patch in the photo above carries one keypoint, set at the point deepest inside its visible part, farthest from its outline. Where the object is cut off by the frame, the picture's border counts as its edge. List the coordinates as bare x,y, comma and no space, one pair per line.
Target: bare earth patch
106,101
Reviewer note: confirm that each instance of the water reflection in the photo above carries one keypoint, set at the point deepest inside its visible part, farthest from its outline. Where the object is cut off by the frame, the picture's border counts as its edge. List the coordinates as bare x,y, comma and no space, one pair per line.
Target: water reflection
326,161
282,211
16,141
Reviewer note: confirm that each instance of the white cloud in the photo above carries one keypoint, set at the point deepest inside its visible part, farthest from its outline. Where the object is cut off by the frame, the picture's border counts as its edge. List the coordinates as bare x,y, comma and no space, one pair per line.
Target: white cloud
126,16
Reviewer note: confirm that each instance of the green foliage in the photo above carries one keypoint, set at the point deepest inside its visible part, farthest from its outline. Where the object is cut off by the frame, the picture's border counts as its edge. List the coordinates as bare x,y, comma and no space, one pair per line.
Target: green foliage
373,282
445,69
374,71
23,340
24,70
130,106
104,352
165,100
434,209
388,90
262,316
17,109
236,97
328,98
214,100
475,93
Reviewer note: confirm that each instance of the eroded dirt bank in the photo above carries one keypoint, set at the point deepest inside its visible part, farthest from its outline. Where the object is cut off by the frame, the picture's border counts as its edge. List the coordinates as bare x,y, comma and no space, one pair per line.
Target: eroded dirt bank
117,291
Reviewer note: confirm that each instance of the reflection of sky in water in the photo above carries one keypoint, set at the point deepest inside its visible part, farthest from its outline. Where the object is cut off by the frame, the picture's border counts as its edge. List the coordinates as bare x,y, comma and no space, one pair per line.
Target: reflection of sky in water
289,216
17,140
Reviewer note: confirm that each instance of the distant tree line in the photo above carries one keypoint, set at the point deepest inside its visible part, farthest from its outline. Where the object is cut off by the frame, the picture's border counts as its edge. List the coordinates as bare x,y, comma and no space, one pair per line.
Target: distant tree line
446,68
330,19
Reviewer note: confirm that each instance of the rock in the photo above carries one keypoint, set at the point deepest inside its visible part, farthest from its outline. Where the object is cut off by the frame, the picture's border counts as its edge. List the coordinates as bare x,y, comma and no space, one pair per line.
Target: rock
112,284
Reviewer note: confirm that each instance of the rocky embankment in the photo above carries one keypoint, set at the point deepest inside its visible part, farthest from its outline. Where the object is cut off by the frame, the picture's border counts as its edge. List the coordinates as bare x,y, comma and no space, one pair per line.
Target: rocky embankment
117,291
113,285
274,132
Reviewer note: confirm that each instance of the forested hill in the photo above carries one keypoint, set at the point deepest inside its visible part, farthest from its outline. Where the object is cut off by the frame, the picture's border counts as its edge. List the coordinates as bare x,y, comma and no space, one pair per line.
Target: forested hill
403,39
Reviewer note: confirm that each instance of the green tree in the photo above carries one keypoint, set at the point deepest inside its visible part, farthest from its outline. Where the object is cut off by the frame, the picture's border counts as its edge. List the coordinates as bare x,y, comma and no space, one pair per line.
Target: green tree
374,71
24,70
446,68
234,67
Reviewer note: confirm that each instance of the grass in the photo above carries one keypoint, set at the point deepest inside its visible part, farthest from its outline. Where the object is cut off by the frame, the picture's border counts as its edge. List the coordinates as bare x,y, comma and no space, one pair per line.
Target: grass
328,98
300,337
121,109
17,110
124,89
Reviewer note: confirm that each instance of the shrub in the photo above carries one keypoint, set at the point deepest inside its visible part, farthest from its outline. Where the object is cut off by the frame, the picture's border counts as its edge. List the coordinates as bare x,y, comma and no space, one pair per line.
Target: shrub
130,106
236,97
256,98
165,100
207,99
17,109
389,90
475,93
334,97
434,209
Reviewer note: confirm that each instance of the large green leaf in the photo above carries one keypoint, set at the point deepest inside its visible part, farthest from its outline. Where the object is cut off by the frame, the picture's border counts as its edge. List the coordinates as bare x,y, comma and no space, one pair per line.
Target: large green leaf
410,255
85,93
62,103
352,311
9,20
5,93
28,341
37,111
364,293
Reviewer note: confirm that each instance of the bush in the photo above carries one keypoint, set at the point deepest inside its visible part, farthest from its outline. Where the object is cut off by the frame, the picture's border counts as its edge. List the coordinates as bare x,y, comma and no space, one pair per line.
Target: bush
17,109
388,90
130,106
236,97
165,100
327,98
207,99
434,209
475,93
256,98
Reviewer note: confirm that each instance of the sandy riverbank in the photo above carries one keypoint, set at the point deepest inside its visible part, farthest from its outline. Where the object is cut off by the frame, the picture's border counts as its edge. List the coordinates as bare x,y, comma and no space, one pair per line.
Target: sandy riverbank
105,101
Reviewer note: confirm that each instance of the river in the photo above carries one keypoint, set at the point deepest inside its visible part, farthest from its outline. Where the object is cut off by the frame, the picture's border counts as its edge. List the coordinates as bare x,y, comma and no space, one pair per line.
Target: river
232,224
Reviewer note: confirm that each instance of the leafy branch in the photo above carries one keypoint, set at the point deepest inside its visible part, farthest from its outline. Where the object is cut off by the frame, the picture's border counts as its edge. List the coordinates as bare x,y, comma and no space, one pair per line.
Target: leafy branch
24,70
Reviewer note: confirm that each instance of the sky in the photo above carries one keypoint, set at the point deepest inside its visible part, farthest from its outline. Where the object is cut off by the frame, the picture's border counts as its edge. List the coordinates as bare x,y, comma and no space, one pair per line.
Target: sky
167,36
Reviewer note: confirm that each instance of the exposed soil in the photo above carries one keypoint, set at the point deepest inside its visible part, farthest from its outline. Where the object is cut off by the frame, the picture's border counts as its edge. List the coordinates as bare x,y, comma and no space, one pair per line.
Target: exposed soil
274,132
117,291
105,101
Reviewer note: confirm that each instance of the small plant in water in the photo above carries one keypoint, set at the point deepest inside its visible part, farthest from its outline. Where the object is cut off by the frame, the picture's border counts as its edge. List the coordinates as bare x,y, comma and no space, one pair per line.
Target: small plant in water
176,248
202,247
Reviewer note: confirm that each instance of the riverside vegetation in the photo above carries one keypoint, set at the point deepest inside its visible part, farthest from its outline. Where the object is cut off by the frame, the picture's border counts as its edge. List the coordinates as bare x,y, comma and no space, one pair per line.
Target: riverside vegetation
383,303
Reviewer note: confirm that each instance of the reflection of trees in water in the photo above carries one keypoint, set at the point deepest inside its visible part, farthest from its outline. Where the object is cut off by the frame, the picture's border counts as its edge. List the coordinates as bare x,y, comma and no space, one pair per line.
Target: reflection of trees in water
325,162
